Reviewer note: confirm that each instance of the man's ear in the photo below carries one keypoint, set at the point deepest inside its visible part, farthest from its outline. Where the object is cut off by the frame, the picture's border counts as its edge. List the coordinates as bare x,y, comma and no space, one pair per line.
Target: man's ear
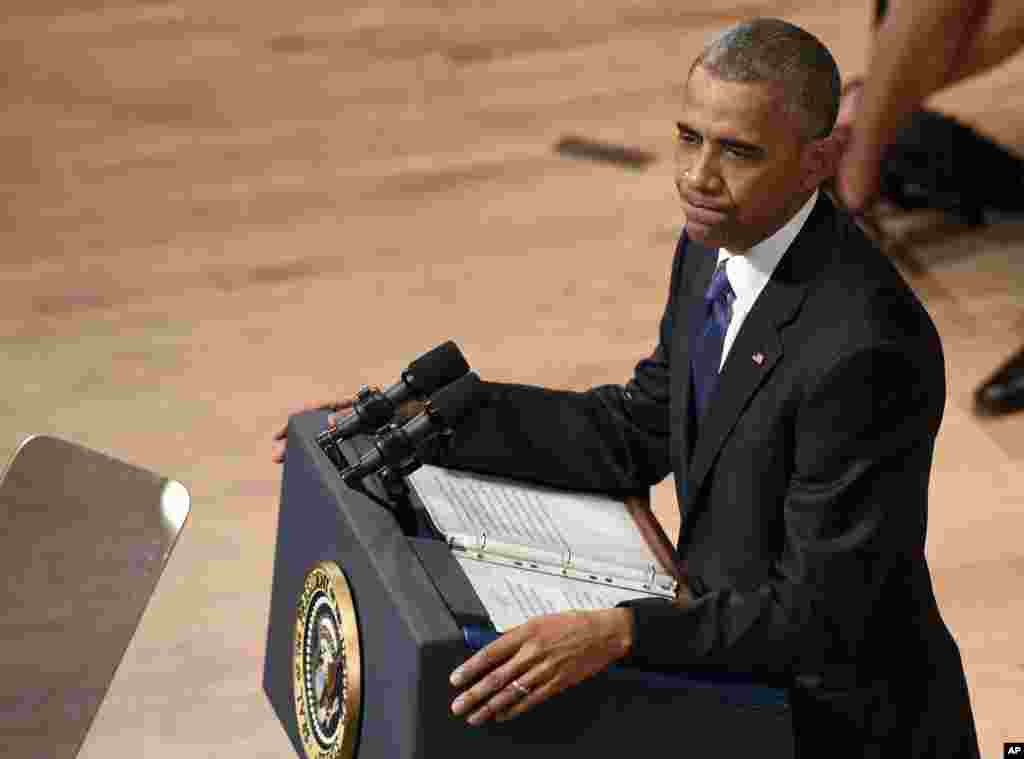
821,159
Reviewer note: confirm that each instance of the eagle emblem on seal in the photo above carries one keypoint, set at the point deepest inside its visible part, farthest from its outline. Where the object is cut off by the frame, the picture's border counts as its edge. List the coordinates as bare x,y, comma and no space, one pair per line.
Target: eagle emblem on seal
327,682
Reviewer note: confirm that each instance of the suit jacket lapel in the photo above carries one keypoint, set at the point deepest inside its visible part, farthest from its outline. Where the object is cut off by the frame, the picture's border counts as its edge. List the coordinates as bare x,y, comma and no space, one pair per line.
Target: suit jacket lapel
756,349
698,268
754,354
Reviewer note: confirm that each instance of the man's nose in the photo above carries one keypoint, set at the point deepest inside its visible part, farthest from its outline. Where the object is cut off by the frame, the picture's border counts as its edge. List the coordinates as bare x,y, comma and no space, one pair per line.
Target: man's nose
702,174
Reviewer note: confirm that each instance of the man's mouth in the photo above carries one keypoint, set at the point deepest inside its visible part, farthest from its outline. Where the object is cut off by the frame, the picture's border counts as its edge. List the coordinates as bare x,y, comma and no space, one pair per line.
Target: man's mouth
702,213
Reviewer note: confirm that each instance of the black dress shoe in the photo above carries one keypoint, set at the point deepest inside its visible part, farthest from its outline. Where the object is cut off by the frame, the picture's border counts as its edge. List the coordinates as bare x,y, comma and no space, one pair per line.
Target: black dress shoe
1003,391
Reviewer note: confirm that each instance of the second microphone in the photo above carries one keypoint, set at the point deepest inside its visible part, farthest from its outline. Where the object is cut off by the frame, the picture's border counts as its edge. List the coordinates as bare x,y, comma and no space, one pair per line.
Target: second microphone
395,447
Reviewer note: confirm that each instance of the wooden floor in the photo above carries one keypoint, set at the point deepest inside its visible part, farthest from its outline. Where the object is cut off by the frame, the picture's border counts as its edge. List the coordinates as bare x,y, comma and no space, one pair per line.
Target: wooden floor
214,211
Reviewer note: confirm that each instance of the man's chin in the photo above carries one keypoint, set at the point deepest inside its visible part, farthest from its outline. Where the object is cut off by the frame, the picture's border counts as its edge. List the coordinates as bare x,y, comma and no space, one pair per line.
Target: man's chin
705,235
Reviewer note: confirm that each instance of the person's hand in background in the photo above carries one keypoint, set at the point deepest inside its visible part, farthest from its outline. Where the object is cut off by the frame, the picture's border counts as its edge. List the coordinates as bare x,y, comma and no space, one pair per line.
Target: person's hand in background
339,409
920,47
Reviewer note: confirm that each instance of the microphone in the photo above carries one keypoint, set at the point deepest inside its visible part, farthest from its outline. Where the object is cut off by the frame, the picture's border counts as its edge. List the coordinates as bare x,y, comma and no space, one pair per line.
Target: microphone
395,446
373,408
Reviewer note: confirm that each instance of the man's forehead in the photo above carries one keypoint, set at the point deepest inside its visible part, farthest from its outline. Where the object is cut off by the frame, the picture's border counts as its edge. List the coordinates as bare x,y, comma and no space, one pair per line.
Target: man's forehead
752,102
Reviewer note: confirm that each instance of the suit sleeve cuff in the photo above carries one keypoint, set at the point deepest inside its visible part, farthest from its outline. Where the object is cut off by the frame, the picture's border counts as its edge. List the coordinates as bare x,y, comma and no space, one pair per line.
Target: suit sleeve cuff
655,639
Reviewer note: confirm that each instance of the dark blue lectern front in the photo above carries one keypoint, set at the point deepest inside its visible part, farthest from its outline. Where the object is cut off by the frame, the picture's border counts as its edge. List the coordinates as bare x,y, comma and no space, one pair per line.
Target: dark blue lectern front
410,603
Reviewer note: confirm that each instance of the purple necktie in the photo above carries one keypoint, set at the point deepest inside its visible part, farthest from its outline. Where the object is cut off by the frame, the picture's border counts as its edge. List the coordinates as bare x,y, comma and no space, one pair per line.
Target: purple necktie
707,352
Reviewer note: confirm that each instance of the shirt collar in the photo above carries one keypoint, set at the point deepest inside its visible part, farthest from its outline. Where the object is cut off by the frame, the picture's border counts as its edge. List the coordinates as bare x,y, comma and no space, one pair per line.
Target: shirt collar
749,273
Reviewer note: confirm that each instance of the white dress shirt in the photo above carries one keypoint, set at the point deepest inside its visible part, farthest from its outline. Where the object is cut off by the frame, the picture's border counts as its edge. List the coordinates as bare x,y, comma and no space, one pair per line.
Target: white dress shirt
750,271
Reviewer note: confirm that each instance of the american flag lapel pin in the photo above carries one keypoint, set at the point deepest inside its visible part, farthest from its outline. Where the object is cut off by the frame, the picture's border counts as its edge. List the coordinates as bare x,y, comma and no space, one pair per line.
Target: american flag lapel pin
758,358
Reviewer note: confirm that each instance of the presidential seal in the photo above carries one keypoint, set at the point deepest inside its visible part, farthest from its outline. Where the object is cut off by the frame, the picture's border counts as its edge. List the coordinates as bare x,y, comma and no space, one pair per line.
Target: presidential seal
328,678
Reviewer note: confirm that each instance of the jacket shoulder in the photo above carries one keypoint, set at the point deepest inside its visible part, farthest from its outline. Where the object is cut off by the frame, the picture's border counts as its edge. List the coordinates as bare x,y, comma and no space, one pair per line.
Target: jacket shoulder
856,297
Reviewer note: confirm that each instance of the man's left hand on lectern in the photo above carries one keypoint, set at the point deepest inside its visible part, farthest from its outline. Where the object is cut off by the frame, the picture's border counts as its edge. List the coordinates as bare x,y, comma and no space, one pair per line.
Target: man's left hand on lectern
281,436
536,660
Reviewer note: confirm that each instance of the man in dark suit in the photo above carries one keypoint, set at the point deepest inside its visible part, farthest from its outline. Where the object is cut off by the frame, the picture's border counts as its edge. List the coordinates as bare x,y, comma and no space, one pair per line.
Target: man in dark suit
801,467
795,391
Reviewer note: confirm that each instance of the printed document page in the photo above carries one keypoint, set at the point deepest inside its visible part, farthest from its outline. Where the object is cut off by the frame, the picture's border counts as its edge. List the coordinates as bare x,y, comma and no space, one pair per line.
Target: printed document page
509,511
511,596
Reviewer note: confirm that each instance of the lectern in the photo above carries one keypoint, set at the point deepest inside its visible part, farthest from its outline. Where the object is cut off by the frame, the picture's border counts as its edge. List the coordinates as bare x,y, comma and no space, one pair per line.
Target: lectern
367,622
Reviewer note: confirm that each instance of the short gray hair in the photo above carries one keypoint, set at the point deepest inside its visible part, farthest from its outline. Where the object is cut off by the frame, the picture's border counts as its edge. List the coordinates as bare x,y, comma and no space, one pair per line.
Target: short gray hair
772,50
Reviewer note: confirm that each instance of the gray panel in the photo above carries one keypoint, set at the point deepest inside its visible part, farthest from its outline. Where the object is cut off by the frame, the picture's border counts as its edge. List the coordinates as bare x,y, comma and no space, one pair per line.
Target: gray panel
83,541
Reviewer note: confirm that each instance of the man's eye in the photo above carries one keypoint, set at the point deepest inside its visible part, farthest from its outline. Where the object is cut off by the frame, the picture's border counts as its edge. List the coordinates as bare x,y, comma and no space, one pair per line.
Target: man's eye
739,153
689,137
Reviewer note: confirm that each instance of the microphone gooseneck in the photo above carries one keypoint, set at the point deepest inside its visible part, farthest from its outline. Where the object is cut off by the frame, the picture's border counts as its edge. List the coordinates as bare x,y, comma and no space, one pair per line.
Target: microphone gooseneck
372,408
395,446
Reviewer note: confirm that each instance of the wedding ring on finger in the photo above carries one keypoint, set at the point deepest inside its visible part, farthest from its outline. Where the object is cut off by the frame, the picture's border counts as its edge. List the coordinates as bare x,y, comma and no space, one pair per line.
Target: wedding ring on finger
522,689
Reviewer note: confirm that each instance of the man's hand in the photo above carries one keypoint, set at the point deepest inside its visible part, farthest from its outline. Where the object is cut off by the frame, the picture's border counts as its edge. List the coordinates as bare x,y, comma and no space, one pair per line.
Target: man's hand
534,661
280,437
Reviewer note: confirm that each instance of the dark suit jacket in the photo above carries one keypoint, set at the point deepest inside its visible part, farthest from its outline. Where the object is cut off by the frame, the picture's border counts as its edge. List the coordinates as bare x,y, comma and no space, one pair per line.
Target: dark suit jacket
803,500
